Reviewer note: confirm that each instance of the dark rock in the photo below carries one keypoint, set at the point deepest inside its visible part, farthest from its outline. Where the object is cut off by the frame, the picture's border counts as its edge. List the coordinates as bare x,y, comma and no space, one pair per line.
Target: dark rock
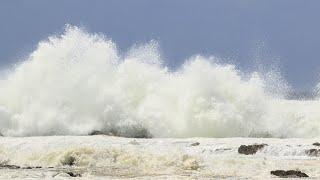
30,167
289,174
250,149
128,132
313,152
73,174
93,133
9,166
195,144
316,144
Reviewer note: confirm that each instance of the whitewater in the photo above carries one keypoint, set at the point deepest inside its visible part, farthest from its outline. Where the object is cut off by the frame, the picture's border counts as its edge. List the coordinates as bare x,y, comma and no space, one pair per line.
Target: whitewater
78,82
187,122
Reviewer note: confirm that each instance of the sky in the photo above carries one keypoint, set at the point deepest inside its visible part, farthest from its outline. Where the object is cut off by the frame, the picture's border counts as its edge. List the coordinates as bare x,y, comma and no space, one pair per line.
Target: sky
251,34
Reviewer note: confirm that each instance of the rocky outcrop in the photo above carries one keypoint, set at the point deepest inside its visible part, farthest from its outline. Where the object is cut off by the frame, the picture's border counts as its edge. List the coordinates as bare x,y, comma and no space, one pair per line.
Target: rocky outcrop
313,152
289,174
250,149
316,144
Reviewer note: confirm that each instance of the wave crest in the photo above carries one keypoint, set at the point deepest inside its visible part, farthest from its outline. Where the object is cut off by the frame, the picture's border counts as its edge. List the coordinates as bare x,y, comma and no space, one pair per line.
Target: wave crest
78,82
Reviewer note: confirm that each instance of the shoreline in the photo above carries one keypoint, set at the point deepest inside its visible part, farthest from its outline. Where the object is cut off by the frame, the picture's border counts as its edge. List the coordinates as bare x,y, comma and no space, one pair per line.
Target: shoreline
94,157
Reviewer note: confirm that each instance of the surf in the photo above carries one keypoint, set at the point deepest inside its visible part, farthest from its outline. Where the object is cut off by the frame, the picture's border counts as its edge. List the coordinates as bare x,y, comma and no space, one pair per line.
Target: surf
78,82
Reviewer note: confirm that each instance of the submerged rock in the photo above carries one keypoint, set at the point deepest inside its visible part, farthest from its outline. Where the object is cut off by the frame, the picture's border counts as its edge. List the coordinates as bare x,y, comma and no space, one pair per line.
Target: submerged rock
72,174
313,152
195,144
93,133
316,144
67,174
289,174
128,132
250,149
32,167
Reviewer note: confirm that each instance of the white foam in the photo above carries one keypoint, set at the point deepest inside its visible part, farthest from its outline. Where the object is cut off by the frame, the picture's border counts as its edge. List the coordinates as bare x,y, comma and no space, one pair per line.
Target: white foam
78,82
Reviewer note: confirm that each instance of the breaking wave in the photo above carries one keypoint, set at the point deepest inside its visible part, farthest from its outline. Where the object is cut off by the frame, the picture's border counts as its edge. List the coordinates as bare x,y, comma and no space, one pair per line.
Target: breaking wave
78,82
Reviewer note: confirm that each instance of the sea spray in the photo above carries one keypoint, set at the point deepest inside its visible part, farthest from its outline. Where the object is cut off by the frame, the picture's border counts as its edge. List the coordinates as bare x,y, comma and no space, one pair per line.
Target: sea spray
77,82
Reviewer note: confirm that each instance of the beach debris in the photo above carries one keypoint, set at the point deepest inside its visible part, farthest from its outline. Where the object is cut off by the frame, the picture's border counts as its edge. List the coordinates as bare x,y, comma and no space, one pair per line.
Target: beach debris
316,144
313,152
195,144
289,174
250,149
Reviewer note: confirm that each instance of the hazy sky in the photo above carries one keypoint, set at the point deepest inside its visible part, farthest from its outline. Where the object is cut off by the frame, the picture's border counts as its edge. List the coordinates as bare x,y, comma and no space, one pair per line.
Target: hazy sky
243,32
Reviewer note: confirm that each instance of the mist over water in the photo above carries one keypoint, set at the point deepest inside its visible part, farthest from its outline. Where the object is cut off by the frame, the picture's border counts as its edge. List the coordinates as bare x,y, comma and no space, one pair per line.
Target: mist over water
78,82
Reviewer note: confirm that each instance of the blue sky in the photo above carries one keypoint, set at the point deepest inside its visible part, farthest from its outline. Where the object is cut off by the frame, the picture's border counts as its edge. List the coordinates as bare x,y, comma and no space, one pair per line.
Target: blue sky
242,32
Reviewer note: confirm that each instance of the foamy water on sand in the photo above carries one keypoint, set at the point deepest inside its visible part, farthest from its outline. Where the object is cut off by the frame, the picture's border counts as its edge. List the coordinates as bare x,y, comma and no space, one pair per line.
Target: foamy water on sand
115,158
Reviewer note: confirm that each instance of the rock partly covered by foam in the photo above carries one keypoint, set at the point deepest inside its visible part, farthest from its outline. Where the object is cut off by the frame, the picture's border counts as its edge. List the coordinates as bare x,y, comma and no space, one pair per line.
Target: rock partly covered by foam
195,144
94,133
72,174
289,174
8,166
66,175
250,149
129,132
313,152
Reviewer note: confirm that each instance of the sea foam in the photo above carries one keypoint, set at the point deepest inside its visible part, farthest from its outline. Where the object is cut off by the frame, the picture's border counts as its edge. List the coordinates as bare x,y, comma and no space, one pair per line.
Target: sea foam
78,82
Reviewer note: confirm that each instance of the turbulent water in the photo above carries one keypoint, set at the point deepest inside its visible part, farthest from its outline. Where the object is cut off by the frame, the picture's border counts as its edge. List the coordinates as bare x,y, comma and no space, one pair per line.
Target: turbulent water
78,82
105,157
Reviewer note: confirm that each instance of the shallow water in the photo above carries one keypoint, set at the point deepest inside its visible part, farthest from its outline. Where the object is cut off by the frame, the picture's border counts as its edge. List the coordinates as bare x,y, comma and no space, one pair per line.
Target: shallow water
95,157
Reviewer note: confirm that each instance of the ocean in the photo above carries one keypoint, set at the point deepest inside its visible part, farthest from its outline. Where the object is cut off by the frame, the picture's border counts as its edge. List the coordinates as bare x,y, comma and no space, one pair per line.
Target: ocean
77,83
